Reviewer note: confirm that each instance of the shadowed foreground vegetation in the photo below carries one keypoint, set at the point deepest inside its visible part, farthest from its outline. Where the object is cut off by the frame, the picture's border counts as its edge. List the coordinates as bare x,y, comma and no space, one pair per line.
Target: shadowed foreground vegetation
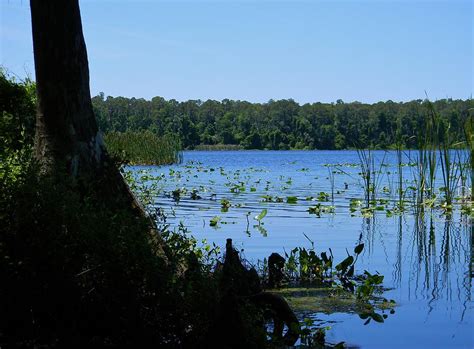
79,271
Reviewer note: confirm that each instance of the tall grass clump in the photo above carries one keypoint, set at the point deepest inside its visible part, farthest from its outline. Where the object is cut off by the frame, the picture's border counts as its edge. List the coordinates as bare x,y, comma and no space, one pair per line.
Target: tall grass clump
426,163
371,175
144,148
399,152
469,137
450,159
332,181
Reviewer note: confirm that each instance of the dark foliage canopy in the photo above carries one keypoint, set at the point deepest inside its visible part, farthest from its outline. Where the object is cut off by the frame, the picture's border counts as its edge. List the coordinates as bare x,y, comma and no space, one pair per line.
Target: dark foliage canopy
282,124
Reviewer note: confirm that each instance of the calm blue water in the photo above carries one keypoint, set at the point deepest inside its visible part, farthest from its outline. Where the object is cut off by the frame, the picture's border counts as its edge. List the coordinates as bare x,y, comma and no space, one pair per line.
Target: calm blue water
427,261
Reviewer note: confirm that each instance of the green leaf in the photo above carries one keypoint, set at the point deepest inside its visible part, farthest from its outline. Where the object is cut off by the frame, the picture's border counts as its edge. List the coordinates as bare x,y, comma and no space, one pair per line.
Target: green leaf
345,263
261,215
358,249
377,279
214,220
377,317
351,271
262,230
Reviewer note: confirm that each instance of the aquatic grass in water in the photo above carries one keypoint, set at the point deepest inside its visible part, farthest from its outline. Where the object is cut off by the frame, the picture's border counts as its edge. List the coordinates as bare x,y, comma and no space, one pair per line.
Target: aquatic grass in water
449,159
424,176
399,152
439,154
469,138
371,175
428,260
332,181
143,148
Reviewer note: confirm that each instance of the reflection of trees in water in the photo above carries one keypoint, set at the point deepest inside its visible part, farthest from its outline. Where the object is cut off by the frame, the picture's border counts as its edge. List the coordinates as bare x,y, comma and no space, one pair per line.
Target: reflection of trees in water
432,255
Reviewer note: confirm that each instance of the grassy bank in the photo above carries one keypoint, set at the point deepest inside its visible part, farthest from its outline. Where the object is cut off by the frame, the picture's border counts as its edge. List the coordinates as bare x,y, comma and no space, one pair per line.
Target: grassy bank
143,148
218,147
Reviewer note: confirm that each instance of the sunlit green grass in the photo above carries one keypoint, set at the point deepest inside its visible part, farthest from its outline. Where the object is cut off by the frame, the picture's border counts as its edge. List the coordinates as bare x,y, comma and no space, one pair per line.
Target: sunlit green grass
143,148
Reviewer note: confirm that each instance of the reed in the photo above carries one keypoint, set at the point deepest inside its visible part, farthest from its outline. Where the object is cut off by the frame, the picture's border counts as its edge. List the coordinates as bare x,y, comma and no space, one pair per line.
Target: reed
371,175
469,138
450,160
143,148
426,163
399,152
332,181
464,167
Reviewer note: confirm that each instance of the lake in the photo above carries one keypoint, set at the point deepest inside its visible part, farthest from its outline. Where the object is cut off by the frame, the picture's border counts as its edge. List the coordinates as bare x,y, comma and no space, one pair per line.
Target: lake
427,259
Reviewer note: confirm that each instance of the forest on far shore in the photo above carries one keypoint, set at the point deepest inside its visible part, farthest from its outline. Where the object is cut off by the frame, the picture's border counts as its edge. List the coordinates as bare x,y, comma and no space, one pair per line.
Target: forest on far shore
281,124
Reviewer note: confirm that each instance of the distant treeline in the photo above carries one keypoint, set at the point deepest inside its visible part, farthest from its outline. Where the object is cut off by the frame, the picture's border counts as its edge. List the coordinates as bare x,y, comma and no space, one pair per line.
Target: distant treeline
282,124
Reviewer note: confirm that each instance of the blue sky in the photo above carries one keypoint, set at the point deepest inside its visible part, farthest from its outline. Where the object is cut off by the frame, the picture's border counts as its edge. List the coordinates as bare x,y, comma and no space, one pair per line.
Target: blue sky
259,50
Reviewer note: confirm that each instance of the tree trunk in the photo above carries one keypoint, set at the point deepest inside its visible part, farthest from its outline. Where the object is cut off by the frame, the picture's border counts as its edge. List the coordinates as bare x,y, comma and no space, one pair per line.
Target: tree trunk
66,130
67,136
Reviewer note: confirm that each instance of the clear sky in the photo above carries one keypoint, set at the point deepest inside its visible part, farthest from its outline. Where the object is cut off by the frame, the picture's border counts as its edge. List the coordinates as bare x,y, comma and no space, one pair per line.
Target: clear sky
259,50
